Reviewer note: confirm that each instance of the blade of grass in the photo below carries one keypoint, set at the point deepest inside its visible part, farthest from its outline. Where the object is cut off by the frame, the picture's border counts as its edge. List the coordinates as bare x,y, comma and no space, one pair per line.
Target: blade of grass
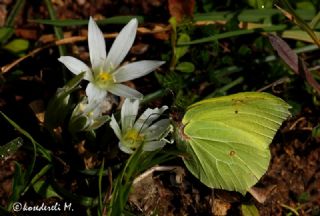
73,22
19,181
100,209
57,30
234,33
35,178
59,35
79,199
44,152
253,15
7,31
299,35
315,21
14,12
225,88
10,147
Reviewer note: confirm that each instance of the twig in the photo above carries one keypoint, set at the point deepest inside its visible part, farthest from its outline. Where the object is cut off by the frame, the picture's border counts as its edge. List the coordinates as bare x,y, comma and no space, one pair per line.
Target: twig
74,39
156,169
274,84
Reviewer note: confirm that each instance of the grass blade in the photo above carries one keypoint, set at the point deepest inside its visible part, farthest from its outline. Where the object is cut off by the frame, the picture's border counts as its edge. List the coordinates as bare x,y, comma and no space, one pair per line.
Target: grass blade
233,34
14,12
75,22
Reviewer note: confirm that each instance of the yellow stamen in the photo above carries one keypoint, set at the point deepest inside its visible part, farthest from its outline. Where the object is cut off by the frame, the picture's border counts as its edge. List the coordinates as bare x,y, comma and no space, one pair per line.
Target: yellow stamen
104,80
133,137
104,76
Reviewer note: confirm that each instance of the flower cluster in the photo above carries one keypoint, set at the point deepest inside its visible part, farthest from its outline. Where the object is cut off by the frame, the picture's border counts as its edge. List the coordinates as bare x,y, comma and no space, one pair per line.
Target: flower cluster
142,131
106,75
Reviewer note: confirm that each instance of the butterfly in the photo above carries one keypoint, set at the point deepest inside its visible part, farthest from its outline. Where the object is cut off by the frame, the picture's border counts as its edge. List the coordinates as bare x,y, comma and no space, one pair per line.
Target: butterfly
227,138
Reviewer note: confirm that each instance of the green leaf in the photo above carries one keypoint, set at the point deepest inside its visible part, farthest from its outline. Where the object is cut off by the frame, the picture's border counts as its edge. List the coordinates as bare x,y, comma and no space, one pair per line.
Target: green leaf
299,35
36,146
19,181
181,51
186,67
59,105
249,210
10,148
43,188
99,122
77,124
5,33
17,45
227,138
316,131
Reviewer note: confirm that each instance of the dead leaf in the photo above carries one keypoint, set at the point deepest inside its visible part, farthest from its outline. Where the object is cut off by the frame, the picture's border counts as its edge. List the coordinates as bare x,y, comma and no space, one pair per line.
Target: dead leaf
139,49
3,14
28,34
261,194
220,207
37,107
297,65
181,9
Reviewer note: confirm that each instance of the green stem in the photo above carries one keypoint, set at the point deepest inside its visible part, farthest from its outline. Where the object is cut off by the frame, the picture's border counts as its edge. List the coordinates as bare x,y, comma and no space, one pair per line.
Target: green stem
154,95
58,32
226,87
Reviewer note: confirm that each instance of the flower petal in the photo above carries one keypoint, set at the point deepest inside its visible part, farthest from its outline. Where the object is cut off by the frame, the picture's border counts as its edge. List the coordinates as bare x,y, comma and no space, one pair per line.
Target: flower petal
153,145
95,95
136,70
97,46
148,116
121,45
129,112
125,91
157,130
114,125
125,148
76,66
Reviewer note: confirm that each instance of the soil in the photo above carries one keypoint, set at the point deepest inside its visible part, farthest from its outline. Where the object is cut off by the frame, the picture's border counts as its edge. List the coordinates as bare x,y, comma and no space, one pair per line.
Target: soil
291,185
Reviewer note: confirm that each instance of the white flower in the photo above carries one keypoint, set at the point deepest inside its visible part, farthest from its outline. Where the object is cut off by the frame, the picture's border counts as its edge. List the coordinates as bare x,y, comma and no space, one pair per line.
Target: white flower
87,116
143,131
105,73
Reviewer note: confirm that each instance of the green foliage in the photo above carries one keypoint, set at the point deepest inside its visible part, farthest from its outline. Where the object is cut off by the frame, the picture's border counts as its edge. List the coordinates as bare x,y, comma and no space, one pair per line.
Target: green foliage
186,67
17,46
5,34
316,131
249,210
59,106
139,161
227,138
10,148
181,51
45,189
